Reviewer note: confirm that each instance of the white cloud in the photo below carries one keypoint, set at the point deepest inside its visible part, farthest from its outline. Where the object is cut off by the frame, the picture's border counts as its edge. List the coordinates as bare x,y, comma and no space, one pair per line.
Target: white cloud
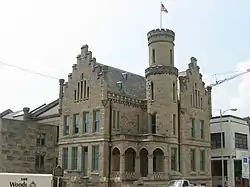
242,100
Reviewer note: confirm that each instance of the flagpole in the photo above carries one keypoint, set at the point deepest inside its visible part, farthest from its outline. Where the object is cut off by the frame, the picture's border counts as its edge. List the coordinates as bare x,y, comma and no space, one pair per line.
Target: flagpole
161,17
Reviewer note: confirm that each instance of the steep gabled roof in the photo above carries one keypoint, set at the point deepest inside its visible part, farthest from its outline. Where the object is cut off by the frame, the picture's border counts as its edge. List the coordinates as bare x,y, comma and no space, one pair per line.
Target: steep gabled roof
6,112
44,108
132,85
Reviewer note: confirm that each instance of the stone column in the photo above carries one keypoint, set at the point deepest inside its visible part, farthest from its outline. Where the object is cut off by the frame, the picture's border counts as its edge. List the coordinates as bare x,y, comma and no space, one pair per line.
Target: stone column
122,165
150,166
79,158
230,172
166,164
89,159
69,157
137,166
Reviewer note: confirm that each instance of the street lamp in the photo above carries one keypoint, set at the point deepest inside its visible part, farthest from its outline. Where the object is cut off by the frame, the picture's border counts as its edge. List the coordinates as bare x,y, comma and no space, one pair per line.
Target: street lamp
221,143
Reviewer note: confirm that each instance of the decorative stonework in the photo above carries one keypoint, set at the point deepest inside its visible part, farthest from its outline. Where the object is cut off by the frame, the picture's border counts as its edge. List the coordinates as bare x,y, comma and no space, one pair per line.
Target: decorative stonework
126,100
158,70
104,102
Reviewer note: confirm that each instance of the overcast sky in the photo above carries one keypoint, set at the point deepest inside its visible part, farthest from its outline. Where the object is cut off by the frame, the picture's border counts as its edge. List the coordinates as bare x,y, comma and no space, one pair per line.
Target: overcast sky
46,36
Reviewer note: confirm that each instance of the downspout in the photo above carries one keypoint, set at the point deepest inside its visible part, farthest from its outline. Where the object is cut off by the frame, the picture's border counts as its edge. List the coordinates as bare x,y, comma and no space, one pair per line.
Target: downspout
179,134
109,142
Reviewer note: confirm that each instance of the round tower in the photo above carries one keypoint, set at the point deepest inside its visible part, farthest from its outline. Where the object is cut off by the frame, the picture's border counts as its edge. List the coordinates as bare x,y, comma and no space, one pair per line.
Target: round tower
161,78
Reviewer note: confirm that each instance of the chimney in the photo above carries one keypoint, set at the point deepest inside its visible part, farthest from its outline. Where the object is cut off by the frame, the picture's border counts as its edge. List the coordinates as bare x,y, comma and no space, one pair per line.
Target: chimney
26,114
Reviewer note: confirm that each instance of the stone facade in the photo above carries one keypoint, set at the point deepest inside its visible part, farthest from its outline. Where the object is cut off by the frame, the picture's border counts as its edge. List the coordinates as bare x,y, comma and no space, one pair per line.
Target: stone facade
30,137
118,127
23,150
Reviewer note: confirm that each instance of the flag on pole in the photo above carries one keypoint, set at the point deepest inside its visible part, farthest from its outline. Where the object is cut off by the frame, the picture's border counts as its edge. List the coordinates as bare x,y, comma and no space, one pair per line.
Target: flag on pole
163,8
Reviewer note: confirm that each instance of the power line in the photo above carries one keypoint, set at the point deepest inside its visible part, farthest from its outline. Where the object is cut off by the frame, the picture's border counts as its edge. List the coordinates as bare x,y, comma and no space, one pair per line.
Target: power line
27,70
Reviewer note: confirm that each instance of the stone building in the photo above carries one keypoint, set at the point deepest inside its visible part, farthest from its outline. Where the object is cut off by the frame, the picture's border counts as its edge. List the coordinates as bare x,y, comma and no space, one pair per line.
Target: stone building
29,139
119,127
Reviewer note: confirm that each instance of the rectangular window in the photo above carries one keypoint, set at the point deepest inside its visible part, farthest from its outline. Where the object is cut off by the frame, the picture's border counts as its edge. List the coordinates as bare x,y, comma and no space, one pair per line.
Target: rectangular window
81,90
192,127
40,141
78,90
192,159
202,128
113,119
152,91
174,159
138,123
174,92
95,158
201,103
74,159
116,119
85,89
174,124
202,160
85,122
66,125
191,100
153,123
171,56
85,160
65,158
39,160
57,134
153,56
96,118
241,141
75,123
216,140
74,95
196,98
88,92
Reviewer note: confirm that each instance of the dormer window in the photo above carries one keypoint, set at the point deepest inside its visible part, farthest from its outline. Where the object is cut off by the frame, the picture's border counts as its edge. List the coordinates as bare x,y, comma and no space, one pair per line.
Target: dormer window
119,84
125,75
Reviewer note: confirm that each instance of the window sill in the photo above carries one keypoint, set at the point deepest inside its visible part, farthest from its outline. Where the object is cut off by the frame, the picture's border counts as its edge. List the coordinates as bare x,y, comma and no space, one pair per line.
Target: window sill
192,173
94,173
202,173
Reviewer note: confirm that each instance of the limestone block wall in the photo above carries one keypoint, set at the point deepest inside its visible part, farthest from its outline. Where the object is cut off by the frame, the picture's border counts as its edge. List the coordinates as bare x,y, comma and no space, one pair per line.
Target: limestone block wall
19,149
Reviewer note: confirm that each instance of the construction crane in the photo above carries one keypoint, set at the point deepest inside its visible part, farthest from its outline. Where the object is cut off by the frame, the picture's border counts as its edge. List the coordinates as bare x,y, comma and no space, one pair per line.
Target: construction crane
217,82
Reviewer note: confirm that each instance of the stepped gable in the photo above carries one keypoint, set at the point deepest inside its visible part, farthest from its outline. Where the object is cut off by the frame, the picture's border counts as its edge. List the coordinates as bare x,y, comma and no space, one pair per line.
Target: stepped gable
119,82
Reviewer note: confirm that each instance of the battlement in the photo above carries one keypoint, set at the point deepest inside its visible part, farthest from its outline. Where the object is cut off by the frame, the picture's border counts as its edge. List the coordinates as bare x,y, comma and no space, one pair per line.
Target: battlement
161,35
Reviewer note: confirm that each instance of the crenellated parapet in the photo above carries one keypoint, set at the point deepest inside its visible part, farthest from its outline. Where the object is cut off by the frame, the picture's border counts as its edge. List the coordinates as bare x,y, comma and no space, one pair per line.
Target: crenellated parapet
161,35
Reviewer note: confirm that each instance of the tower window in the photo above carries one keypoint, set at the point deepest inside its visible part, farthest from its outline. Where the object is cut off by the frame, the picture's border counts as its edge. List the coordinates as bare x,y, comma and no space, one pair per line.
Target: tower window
152,91
153,56
153,123
174,92
171,56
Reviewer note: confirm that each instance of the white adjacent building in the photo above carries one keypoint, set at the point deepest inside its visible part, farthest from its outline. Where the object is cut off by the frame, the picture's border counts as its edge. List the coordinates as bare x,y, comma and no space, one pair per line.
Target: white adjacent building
235,146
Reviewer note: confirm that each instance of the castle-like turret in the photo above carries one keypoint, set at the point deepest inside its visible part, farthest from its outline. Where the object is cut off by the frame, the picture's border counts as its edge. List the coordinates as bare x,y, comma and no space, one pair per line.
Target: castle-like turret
161,78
